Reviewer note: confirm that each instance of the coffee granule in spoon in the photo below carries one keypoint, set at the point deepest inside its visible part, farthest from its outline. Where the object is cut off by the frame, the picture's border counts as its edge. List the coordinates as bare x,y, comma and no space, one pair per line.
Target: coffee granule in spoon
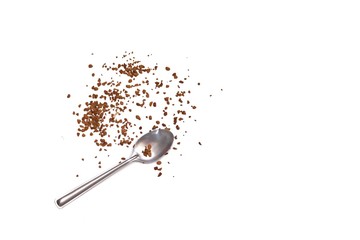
147,151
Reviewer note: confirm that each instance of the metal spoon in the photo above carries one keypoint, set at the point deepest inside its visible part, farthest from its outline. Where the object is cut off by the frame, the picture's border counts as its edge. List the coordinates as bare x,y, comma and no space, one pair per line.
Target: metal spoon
160,140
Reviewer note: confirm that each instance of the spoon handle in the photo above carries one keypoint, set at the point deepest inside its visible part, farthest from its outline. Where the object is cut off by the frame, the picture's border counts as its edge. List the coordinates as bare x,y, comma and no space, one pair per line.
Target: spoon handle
77,192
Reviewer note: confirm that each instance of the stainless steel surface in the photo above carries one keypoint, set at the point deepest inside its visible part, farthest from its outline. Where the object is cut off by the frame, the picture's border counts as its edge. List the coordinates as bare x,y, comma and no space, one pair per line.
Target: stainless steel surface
77,192
160,140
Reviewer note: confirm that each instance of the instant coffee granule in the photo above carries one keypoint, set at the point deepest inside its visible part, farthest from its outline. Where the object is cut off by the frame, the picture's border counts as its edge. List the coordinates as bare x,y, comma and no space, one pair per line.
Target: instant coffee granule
127,98
147,151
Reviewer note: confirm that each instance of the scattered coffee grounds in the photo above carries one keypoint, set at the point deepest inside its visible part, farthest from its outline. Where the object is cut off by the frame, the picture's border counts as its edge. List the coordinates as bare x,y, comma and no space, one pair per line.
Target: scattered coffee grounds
68,96
77,175
127,98
160,173
200,143
147,151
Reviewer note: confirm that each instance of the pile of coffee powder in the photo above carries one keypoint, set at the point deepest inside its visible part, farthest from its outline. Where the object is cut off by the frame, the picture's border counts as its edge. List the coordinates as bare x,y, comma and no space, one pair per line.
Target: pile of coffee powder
128,99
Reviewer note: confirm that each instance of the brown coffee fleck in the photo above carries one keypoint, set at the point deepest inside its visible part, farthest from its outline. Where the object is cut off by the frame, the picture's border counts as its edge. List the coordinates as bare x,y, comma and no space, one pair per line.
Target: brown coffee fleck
147,151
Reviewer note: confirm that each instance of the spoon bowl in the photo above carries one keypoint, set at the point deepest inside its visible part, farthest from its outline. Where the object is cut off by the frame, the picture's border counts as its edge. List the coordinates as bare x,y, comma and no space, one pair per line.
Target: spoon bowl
160,141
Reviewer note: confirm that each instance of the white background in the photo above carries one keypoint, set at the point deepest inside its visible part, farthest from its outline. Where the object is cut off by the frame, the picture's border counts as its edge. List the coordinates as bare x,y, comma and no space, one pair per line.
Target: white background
280,154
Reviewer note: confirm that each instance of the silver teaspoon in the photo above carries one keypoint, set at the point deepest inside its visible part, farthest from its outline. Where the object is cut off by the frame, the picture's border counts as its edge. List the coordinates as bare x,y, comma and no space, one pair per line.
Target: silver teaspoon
160,141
